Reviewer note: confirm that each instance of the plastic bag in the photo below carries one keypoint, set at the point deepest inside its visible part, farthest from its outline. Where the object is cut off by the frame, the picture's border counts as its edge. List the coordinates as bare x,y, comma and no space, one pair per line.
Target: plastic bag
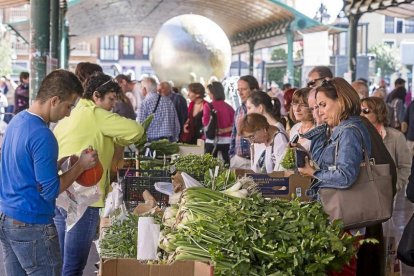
76,199
190,181
114,199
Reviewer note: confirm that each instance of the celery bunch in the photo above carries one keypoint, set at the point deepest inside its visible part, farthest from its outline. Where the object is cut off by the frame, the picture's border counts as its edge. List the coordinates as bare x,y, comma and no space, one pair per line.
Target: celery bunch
254,236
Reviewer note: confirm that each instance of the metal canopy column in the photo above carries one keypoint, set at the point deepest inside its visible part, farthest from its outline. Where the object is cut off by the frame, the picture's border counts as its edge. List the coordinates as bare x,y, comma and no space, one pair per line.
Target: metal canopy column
290,66
352,55
63,36
39,43
54,29
251,56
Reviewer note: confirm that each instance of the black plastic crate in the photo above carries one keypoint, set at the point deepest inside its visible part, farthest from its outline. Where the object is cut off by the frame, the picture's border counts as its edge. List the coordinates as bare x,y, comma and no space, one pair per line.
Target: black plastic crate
134,186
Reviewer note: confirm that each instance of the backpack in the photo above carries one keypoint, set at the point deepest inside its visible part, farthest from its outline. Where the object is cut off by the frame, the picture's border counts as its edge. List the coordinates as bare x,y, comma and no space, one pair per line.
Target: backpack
211,129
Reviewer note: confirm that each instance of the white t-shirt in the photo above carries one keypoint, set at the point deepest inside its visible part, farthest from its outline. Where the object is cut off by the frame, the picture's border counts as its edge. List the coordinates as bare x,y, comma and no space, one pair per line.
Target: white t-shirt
273,155
304,142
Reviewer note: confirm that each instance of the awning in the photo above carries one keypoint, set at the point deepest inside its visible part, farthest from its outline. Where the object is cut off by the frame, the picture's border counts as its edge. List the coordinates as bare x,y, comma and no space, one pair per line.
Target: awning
395,8
12,3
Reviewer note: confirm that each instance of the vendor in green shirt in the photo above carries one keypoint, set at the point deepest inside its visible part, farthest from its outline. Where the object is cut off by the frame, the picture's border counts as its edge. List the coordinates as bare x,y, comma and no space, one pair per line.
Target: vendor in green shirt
91,123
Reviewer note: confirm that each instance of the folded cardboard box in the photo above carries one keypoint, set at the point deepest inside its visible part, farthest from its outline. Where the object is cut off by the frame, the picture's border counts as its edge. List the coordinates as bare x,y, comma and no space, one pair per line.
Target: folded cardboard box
283,184
132,267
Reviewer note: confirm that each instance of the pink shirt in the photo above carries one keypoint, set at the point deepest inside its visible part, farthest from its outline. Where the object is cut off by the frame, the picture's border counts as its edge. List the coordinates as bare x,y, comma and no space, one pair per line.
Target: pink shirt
225,115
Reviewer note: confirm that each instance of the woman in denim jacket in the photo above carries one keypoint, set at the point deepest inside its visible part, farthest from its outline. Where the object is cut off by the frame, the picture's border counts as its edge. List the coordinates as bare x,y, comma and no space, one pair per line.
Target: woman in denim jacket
339,107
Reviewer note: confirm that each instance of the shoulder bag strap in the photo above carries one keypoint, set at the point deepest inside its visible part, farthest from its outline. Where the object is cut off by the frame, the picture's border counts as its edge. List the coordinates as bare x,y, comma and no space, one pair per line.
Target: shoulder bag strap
367,163
156,105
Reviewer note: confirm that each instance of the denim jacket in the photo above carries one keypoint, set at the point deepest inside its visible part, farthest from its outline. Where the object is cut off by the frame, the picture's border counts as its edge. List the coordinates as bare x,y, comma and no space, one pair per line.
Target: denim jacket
350,153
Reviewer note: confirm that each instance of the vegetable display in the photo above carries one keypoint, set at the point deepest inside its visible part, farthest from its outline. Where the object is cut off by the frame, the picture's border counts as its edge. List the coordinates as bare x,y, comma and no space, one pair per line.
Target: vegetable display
164,147
254,236
288,161
143,140
120,239
197,165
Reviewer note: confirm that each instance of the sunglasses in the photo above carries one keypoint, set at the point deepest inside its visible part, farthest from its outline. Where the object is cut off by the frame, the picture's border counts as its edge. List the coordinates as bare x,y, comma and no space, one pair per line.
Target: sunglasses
105,83
365,110
312,83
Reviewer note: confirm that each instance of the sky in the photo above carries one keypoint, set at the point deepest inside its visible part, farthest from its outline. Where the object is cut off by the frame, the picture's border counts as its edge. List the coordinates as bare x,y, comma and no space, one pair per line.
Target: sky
309,7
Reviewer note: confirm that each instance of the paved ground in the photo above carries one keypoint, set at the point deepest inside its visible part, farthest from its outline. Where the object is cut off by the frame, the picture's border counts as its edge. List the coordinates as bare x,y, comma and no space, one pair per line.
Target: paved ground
402,213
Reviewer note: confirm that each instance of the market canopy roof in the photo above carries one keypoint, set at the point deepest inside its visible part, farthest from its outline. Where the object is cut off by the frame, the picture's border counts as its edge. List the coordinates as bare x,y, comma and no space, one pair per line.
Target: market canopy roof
242,20
395,8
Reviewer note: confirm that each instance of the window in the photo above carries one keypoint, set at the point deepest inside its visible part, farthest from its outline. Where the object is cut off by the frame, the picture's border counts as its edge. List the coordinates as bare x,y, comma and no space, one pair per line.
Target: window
399,26
409,25
128,46
389,25
146,45
108,48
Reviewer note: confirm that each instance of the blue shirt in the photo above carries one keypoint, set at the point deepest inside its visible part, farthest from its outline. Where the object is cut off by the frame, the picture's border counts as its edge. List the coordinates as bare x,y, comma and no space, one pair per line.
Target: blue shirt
165,122
239,145
29,180
181,107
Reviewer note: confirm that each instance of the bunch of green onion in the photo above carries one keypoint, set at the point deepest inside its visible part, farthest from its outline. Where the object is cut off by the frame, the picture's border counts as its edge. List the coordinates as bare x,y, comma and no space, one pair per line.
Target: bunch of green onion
254,236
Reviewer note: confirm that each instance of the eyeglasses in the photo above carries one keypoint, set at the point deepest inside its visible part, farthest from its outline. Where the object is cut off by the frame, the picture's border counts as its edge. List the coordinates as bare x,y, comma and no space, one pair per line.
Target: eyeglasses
301,106
312,83
251,137
365,110
105,83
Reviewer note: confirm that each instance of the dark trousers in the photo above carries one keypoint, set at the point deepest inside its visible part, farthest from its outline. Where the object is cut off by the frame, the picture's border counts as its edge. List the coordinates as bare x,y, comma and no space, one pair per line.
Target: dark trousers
371,257
214,149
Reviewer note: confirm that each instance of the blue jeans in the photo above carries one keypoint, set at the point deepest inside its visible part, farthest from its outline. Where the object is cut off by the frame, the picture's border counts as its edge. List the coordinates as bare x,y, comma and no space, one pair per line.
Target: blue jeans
29,249
76,244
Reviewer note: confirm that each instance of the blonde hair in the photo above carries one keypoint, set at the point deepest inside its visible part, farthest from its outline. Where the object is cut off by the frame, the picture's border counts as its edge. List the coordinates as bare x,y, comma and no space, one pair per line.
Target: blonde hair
300,96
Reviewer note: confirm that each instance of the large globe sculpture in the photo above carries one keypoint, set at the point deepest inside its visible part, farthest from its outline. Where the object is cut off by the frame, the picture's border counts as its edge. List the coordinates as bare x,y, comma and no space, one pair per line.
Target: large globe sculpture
190,48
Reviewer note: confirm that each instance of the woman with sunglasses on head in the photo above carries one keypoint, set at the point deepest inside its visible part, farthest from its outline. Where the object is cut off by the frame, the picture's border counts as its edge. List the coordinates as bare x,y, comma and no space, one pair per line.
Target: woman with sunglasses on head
257,129
91,123
301,114
375,110
339,156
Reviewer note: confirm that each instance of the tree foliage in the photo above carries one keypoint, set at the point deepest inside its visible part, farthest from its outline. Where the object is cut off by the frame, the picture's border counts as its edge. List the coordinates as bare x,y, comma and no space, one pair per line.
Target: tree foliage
384,59
5,53
277,74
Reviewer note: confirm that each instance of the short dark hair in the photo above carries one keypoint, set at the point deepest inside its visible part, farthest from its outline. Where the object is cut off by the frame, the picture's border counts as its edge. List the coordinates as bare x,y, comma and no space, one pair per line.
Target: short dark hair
217,89
60,83
127,78
323,71
271,106
197,88
85,69
399,81
252,81
101,83
286,86
23,75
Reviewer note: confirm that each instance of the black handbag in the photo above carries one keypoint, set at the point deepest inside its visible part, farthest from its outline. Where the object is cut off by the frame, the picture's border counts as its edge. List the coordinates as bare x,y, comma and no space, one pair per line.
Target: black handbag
405,251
